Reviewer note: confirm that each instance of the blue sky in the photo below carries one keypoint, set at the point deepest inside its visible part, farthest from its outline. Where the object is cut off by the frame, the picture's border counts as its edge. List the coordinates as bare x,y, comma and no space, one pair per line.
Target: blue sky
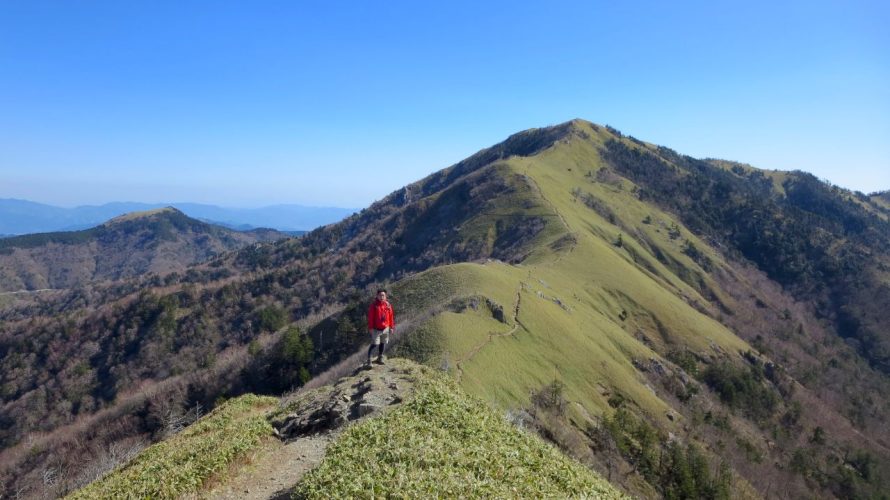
338,103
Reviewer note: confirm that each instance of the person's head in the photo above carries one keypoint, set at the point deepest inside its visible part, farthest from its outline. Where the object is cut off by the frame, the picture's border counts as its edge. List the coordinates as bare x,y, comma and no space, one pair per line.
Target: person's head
381,294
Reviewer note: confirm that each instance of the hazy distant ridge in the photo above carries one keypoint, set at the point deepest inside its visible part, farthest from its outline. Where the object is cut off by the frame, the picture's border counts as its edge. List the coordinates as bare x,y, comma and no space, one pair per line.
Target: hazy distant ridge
24,217
159,240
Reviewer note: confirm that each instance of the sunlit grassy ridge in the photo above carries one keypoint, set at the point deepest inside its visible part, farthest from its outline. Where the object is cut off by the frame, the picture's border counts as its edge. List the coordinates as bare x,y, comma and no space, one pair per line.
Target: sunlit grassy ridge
585,301
443,443
439,442
183,463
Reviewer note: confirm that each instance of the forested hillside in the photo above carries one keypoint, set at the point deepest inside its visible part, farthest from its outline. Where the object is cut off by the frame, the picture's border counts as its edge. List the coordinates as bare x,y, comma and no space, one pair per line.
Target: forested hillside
157,241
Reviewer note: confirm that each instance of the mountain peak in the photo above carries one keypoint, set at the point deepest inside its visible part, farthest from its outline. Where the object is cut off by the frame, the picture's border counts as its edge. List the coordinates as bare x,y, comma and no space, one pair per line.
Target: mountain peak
146,214
541,138
579,124
531,141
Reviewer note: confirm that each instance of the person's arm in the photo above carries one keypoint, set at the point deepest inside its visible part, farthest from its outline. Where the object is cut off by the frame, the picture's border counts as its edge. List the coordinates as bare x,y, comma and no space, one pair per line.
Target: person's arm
392,319
371,317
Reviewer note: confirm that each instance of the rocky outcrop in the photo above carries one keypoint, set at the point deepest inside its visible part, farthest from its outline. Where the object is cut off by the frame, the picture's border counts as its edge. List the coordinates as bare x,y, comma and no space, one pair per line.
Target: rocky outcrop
366,392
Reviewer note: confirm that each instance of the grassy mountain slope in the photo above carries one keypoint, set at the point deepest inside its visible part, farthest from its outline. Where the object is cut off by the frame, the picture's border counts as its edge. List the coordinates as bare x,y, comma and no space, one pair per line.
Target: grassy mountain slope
438,441
579,296
650,313
158,241
443,443
184,462
625,285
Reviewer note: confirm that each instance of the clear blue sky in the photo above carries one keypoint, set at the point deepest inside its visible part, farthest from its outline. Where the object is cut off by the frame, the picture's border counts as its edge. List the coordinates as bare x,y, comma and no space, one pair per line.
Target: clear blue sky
336,103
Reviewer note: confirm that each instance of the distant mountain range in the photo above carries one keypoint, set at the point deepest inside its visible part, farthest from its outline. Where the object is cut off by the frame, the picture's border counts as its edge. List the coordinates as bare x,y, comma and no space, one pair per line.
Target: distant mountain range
160,240
25,217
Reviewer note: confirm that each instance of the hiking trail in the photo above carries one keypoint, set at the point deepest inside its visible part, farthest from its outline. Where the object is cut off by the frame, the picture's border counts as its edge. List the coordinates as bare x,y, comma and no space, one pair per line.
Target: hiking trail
492,335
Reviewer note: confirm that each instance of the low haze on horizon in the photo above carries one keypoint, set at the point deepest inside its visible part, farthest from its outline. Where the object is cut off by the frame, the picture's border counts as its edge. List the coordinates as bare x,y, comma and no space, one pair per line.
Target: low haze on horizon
248,105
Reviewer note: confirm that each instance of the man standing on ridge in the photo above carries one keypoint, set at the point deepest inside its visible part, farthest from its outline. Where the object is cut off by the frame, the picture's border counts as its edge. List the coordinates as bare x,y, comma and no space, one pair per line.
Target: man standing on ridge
381,322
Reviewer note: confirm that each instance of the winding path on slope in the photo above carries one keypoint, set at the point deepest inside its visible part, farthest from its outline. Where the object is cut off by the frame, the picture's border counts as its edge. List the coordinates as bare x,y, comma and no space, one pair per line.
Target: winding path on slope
491,336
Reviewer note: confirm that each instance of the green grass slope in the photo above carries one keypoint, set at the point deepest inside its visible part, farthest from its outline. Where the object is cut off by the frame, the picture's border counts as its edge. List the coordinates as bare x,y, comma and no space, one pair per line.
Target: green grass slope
586,307
183,463
443,443
608,300
439,442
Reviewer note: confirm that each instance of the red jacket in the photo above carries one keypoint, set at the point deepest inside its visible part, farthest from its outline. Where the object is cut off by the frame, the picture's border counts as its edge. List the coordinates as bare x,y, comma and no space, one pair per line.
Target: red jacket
380,315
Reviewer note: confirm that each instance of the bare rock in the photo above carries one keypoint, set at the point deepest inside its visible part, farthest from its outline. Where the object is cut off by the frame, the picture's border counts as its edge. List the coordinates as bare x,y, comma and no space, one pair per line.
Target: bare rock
364,409
329,408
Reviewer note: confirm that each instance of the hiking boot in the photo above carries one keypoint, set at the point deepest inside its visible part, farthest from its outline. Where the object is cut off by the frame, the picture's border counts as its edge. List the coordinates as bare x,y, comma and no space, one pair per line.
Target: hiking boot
380,361
367,364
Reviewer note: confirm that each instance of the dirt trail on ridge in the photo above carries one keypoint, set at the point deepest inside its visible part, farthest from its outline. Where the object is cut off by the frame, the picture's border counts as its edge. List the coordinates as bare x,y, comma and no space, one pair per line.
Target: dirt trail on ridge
306,423
273,471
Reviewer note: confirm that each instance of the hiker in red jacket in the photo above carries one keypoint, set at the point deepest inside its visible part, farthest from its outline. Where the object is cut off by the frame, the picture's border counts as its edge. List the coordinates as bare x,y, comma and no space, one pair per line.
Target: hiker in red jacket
381,322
